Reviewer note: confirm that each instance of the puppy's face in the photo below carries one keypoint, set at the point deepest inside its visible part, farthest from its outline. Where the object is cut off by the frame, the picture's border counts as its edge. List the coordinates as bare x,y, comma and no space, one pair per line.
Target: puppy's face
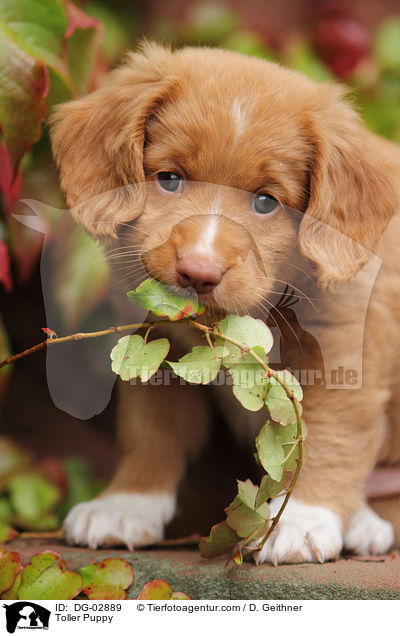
220,175
225,148
207,239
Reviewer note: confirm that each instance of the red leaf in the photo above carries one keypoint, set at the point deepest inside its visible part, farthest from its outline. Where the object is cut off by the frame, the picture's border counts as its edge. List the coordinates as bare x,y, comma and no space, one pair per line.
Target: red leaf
31,41
46,577
222,539
52,469
156,590
107,579
10,565
9,186
77,19
342,43
180,596
5,274
83,36
24,106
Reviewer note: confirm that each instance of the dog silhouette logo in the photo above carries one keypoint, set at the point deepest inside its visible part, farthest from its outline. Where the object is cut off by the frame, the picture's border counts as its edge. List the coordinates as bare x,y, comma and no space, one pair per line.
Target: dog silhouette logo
26,615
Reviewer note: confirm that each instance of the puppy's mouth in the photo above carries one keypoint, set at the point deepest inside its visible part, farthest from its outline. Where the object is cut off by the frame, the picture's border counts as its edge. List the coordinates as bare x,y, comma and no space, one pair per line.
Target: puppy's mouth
203,295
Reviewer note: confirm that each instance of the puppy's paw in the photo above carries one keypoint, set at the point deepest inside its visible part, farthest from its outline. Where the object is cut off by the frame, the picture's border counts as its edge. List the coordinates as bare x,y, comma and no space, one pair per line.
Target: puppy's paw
122,519
368,533
303,533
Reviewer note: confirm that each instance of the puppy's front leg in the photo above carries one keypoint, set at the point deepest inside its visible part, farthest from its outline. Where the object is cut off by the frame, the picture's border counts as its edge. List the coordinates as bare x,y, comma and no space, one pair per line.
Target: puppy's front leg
159,427
328,503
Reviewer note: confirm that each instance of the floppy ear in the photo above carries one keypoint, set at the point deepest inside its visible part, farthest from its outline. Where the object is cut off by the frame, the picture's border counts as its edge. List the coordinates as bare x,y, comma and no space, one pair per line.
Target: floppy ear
353,192
98,140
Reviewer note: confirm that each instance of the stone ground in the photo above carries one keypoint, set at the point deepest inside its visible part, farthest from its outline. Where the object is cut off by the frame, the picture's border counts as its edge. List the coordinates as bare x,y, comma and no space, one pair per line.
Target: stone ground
184,569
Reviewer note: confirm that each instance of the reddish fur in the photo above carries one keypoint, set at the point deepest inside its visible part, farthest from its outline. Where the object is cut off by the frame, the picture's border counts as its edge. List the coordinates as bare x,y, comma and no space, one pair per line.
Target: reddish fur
304,144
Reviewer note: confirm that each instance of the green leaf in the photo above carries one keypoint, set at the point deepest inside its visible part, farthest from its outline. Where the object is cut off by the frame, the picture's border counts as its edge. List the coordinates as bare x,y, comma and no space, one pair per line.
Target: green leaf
84,34
268,488
32,496
12,458
249,384
46,521
5,511
10,565
288,435
274,443
81,485
157,590
246,521
162,301
179,596
387,44
31,37
301,57
201,366
107,579
250,399
248,43
270,451
37,27
241,514
260,351
249,332
12,593
119,32
279,405
247,492
7,533
132,358
210,23
45,577
222,539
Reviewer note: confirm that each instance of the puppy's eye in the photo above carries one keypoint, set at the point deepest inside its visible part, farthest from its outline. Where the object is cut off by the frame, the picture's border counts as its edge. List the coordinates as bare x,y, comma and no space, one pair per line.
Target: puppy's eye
169,181
264,203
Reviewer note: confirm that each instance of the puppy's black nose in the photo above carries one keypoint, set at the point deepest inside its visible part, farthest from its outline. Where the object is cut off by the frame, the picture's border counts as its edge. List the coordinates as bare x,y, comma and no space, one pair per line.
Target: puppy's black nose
200,274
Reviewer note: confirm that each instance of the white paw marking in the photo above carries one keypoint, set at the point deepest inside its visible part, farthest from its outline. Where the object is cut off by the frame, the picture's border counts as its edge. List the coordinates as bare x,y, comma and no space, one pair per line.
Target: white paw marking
368,533
303,533
122,519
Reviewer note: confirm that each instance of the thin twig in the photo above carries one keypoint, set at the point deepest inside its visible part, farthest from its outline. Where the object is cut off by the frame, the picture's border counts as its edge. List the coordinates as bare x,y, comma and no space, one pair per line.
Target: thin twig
208,331
83,336
299,440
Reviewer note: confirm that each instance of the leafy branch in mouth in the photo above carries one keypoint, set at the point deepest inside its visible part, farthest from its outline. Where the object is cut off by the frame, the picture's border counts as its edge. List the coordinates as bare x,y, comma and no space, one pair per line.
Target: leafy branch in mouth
239,344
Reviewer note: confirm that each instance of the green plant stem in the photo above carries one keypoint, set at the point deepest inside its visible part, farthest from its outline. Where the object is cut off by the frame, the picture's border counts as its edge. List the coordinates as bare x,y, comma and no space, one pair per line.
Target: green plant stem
208,331
270,373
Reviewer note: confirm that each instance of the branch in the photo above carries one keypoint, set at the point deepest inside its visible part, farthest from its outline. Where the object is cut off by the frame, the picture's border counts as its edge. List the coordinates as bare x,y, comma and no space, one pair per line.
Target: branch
299,441
83,336
208,331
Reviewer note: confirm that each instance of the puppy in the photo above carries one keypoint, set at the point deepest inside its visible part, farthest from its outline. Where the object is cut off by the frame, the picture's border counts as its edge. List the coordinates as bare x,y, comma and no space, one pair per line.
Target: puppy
234,177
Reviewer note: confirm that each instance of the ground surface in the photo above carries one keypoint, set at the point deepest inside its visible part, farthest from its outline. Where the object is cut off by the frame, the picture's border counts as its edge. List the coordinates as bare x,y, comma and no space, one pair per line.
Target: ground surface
186,572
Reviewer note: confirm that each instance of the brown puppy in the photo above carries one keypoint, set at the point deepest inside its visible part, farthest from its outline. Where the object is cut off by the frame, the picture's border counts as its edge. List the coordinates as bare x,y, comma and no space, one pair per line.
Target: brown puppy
211,154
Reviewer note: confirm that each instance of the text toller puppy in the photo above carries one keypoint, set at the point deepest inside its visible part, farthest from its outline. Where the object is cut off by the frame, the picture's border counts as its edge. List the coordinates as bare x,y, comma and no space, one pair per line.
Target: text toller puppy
234,176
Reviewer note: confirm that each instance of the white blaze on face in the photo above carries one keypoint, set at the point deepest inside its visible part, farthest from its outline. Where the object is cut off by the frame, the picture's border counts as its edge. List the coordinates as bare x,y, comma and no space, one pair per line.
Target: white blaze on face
238,118
205,242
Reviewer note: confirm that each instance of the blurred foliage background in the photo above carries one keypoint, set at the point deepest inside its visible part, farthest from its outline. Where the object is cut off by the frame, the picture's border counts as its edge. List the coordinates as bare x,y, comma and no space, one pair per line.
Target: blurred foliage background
52,51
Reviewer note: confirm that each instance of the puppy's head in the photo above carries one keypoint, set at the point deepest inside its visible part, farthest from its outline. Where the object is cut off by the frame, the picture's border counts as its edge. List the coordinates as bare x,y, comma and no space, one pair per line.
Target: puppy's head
210,152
